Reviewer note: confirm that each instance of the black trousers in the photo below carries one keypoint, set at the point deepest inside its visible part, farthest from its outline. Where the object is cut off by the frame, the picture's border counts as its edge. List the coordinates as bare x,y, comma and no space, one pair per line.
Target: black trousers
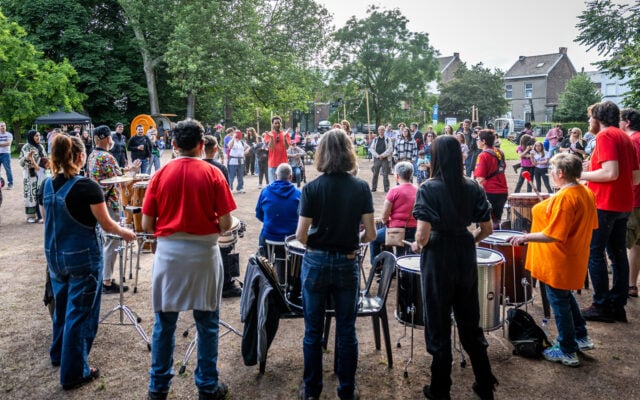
450,282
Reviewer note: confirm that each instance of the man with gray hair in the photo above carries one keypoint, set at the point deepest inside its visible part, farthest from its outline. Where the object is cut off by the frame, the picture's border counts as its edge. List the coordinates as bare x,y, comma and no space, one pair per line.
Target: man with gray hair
277,207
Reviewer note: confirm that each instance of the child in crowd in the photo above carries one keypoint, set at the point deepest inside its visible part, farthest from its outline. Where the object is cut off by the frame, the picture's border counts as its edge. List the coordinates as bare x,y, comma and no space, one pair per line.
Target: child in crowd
424,164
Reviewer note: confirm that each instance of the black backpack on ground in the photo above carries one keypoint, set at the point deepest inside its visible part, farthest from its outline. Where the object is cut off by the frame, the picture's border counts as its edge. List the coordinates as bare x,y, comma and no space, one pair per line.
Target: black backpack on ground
527,338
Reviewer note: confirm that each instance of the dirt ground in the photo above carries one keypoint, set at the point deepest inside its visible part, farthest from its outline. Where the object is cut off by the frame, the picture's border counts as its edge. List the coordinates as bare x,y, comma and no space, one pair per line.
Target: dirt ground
611,370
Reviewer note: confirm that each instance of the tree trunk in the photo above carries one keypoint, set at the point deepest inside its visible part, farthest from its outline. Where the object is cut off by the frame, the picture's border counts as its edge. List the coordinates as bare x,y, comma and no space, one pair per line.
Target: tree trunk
191,105
149,71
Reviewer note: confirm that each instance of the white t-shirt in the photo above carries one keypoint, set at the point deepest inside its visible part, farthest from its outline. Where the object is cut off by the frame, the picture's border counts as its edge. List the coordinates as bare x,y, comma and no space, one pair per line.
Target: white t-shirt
6,137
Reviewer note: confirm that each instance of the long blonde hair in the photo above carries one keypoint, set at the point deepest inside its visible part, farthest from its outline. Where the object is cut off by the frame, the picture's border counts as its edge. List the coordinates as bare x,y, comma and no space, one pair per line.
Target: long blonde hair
65,151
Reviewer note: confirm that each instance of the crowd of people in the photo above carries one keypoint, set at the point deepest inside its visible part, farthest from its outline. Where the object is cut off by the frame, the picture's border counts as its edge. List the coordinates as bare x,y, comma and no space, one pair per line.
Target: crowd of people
457,202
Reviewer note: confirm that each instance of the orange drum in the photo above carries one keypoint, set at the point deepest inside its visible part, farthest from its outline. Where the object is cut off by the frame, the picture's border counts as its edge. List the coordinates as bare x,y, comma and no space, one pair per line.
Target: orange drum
521,205
126,191
139,189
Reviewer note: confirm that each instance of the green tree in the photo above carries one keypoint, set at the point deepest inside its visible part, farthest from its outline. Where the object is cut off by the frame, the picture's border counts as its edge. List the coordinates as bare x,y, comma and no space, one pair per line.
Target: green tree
478,86
381,55
30,85
579,94
96,39
247,53
612,29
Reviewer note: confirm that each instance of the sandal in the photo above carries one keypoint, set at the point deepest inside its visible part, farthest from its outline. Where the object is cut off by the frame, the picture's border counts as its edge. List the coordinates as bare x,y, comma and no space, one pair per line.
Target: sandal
94,373
633,291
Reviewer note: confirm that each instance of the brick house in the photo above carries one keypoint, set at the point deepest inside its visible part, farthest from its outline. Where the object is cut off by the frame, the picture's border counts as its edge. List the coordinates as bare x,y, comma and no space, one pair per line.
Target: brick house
536,82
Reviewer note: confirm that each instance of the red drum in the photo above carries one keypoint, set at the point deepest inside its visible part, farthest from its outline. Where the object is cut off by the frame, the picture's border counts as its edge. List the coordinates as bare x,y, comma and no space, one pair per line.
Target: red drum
490,263
409,310
513,272
293,286
520,205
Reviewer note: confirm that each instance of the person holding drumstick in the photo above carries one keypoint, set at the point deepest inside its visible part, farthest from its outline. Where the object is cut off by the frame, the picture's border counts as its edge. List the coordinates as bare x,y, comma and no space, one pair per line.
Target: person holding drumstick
331,209
73,205
445,206
558,253
103,165
187,205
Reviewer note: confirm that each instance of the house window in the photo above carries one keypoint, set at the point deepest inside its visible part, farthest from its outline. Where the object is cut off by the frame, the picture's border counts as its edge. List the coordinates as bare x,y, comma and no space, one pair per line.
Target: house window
508,91
528,90
610,89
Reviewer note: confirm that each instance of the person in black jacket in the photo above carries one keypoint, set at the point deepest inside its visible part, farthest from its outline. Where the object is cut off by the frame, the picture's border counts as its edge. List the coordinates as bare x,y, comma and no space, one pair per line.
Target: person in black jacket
140,148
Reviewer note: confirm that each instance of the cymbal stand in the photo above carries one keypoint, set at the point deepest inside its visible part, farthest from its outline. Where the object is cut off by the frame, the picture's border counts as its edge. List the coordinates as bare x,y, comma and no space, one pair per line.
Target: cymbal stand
132,317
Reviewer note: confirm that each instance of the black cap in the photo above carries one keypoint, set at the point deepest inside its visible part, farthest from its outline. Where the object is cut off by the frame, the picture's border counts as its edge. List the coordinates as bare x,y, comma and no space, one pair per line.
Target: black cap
102,132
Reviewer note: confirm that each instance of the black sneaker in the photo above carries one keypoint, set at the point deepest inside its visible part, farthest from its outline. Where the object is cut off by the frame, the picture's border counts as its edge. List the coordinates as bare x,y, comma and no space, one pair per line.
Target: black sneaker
113,288
157,395
619,314
219,394
597,313
231,291
426,390
484,394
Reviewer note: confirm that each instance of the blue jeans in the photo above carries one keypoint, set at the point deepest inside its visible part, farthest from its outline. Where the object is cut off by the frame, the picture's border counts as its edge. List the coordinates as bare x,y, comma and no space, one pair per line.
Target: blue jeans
236,171
569,321
155,162
271,174
144,166
328,275
163,342
297,172
375,245
5,160
610,236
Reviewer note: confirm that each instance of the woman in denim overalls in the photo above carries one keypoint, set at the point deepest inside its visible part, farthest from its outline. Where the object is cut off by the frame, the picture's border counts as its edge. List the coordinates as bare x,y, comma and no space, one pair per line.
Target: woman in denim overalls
73,204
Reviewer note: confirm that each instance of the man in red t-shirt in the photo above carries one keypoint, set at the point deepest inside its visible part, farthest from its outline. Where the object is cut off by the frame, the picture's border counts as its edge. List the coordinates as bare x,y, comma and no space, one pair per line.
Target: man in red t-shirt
610,173
489,174
278,143
196,205
630,124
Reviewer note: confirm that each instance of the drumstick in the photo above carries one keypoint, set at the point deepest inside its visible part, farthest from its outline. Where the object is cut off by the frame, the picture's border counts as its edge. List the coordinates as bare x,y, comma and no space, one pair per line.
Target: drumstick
407,242
526,175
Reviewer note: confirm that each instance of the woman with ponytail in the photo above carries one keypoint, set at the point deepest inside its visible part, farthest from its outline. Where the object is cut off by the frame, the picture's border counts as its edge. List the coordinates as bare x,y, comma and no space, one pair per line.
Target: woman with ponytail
73,205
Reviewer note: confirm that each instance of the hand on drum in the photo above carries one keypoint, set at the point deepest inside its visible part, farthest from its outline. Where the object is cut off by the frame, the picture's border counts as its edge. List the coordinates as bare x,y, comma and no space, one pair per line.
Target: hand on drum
127,234
518,240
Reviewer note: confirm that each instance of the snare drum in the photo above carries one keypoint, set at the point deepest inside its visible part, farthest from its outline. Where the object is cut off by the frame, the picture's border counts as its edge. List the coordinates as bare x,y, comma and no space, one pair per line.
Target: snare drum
490,263
520,205
230,237
293,286
514,272
409,310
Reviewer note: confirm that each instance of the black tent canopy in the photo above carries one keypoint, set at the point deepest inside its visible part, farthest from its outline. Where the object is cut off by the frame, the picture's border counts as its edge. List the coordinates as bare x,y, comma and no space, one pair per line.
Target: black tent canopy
62,118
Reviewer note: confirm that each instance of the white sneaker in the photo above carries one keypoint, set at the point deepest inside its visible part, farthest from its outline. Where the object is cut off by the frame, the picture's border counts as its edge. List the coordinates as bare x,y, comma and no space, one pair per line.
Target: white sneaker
585,343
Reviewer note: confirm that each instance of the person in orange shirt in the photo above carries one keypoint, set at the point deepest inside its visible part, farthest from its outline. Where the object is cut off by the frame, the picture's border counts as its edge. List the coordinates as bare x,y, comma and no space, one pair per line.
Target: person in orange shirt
278,143
558,254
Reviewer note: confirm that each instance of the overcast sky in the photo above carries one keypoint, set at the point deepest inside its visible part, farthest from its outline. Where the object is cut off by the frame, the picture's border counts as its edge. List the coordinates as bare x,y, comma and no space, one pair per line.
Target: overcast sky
495,32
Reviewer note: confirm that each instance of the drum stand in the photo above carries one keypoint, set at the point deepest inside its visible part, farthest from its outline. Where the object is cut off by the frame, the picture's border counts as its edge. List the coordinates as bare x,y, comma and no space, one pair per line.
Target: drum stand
411,310
194,343
133,318
142,239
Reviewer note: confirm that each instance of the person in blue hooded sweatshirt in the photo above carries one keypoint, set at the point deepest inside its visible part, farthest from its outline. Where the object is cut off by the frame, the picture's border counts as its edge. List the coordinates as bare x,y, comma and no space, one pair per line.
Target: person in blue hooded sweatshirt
277,207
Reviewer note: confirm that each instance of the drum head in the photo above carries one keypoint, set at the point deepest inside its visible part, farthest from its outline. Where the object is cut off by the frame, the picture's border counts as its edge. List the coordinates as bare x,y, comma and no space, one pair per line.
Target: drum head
141,184
500,237
294,246
409,263
144,177
235,224
488,257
